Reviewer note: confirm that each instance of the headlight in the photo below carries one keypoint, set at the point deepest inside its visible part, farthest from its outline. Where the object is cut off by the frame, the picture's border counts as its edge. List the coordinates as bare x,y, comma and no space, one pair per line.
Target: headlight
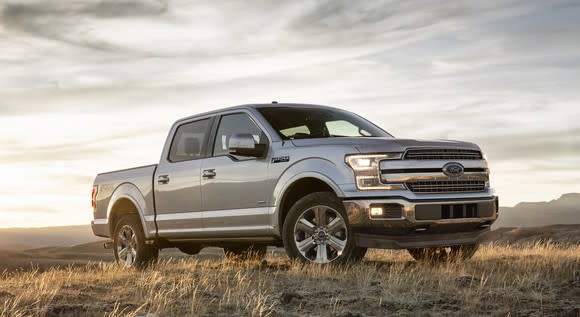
367,171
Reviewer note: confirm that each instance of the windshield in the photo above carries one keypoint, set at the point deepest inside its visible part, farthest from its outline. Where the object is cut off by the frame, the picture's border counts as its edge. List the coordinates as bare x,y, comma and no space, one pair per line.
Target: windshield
309,123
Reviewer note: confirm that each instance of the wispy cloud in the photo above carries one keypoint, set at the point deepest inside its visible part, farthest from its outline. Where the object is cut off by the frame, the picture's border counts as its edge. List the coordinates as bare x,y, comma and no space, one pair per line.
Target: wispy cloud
64,21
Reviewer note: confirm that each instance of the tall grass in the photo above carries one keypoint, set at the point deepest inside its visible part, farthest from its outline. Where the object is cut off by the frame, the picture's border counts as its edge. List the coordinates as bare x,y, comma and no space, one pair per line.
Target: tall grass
499,280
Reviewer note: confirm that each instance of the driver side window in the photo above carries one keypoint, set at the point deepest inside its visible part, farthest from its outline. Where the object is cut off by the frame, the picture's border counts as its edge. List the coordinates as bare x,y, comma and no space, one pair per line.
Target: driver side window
235,124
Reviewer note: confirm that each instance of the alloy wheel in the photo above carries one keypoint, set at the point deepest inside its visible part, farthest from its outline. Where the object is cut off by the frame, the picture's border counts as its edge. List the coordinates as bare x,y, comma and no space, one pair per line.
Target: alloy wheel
320,234
127,246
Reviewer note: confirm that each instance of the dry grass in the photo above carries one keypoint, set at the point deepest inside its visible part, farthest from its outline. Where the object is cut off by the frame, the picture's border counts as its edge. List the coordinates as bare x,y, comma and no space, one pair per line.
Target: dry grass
539,280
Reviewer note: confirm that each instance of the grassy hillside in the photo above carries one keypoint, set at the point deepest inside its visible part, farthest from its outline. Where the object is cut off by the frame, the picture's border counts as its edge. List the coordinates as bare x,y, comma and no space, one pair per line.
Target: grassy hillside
559,234
80,255
539,280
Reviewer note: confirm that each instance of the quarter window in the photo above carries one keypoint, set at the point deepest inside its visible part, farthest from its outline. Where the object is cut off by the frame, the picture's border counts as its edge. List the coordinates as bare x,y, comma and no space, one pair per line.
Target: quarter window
189,141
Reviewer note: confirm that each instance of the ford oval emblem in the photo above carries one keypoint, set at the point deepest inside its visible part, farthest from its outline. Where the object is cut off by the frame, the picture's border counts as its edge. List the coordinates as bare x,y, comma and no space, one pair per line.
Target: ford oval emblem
453,169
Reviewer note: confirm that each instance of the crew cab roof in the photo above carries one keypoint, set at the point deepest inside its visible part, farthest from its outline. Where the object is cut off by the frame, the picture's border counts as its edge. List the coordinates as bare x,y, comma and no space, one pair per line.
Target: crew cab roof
255,106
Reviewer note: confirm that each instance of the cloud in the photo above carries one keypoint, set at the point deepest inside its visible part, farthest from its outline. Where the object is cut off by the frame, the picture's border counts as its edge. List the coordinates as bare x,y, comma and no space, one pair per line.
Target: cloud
71,151
544,145
34,209
52,153
104,80
63,21
29,10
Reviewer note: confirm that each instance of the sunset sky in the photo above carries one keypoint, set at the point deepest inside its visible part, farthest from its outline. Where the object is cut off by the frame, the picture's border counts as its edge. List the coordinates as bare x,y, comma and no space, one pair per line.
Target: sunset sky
92,86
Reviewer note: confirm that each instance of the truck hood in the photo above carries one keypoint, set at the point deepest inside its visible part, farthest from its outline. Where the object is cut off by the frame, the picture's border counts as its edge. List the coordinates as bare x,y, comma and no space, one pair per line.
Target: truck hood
374,145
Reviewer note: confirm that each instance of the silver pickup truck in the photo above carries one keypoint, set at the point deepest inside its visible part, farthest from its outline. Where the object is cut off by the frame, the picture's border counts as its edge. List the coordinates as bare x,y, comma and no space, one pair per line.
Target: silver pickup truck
324,183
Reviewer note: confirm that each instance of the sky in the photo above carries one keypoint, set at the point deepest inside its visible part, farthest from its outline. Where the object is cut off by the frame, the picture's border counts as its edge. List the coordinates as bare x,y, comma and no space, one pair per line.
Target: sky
88,86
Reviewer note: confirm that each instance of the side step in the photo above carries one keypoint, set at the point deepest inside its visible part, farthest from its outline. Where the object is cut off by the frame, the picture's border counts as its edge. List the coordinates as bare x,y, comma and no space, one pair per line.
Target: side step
109,244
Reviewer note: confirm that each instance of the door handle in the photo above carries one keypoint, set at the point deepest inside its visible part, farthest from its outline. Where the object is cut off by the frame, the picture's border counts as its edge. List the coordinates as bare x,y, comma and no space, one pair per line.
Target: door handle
163,179
209,173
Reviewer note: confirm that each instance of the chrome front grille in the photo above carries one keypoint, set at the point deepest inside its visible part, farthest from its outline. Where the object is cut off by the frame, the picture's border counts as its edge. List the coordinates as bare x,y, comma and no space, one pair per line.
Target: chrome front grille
442,154
447,186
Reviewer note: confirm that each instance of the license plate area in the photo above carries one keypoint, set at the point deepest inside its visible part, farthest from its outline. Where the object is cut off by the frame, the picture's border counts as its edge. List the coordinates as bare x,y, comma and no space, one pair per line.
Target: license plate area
454,211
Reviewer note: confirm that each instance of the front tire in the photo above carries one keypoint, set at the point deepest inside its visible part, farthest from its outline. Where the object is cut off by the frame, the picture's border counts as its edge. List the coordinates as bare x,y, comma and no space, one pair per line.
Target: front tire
316,230
448,254
129,244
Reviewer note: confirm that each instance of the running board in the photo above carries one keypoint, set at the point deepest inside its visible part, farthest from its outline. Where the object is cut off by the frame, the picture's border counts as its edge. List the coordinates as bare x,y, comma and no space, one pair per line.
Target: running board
109,244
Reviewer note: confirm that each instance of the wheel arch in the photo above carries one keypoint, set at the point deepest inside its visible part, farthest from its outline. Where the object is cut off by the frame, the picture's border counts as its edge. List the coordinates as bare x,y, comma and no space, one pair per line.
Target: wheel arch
300,186
126,199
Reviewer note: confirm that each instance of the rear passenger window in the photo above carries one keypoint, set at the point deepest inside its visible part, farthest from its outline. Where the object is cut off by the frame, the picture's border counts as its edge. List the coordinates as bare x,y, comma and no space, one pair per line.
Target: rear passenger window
235,124
189,141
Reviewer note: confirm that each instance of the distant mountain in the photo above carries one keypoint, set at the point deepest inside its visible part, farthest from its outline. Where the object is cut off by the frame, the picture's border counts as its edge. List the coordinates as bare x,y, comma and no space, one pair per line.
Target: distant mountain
564,210
32,238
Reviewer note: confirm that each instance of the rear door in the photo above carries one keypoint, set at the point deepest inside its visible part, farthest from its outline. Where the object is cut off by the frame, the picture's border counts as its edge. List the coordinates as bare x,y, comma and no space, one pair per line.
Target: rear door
235,189
177,180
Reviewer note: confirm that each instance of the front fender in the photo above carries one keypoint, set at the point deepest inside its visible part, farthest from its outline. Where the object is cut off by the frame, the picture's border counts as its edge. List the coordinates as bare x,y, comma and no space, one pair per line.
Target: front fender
322,169
132,193
319,168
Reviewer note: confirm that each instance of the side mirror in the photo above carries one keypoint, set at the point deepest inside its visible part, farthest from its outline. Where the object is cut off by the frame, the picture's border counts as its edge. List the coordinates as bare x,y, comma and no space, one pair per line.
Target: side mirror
245,145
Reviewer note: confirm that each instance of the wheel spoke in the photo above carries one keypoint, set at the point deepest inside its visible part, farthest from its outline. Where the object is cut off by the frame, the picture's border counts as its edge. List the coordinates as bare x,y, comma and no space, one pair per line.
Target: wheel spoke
336,244
306,226
127,233
306,245
335,225
129,259
321,254
122,238
123,251
320,215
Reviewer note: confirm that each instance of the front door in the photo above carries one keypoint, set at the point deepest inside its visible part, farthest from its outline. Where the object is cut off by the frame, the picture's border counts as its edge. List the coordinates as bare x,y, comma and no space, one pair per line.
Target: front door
177,182
234,188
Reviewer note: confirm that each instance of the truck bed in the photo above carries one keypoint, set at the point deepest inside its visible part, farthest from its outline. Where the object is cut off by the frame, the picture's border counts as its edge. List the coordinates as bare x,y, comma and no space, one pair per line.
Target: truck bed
138,183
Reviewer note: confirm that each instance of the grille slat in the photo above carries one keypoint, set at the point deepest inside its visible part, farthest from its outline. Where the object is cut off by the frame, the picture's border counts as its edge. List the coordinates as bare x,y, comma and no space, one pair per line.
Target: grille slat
442,154
459,186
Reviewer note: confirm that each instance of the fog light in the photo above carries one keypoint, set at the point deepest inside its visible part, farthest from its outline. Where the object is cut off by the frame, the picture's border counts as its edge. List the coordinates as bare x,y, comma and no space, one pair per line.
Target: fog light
386,211
376,211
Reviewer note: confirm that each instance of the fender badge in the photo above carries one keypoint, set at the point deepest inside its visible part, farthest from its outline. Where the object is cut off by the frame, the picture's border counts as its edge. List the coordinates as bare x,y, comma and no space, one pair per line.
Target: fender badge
281,159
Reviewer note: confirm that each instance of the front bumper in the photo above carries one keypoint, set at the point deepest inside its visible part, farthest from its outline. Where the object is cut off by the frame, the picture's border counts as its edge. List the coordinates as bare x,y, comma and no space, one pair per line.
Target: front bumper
422,223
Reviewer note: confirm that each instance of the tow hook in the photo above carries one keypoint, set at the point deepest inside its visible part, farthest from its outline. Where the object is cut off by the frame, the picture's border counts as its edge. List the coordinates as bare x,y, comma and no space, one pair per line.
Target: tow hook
484,225
421,229
108,244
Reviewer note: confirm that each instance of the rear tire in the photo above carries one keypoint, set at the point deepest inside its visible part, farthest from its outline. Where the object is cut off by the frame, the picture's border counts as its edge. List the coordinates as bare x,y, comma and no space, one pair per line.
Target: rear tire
129,245
448,254
316,230
242,253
